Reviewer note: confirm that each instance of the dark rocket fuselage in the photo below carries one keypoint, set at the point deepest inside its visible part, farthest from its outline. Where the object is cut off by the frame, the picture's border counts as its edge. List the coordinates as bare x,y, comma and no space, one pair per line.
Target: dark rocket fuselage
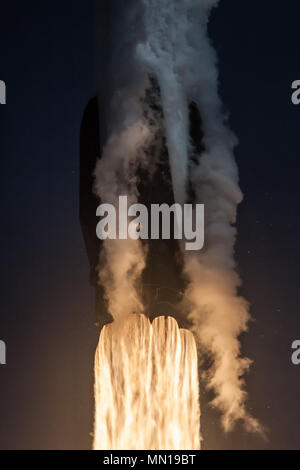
162,279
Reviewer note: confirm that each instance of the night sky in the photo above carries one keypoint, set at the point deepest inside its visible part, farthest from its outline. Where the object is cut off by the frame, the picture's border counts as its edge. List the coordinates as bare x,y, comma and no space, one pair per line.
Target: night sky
47,306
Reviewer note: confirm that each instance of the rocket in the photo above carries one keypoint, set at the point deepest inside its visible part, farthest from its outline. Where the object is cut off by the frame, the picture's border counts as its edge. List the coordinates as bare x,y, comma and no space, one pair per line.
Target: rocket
162,280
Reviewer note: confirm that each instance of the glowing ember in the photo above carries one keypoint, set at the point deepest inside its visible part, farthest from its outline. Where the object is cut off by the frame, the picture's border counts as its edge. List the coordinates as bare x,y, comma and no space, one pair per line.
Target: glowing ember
146,386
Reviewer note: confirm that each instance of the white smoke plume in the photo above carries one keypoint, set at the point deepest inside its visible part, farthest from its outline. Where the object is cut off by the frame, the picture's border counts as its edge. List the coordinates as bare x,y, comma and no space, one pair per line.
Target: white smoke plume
177,50
122,261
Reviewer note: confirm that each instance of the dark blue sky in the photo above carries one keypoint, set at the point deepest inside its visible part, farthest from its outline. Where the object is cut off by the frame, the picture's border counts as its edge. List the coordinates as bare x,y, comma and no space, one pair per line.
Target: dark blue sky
47,306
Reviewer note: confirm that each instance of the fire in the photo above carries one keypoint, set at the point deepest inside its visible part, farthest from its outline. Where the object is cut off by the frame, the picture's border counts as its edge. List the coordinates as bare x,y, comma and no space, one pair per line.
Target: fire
146,386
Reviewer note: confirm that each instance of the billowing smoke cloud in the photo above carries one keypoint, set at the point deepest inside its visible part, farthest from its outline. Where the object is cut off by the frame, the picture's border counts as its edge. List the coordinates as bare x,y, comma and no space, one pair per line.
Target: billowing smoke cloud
174,47
122,261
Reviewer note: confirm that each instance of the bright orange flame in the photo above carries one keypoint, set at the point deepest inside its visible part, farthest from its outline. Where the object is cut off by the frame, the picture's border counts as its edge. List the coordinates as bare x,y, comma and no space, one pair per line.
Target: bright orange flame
146,386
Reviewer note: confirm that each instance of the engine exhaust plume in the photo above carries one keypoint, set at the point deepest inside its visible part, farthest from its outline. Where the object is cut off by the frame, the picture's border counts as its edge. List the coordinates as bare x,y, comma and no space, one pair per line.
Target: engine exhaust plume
146,386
